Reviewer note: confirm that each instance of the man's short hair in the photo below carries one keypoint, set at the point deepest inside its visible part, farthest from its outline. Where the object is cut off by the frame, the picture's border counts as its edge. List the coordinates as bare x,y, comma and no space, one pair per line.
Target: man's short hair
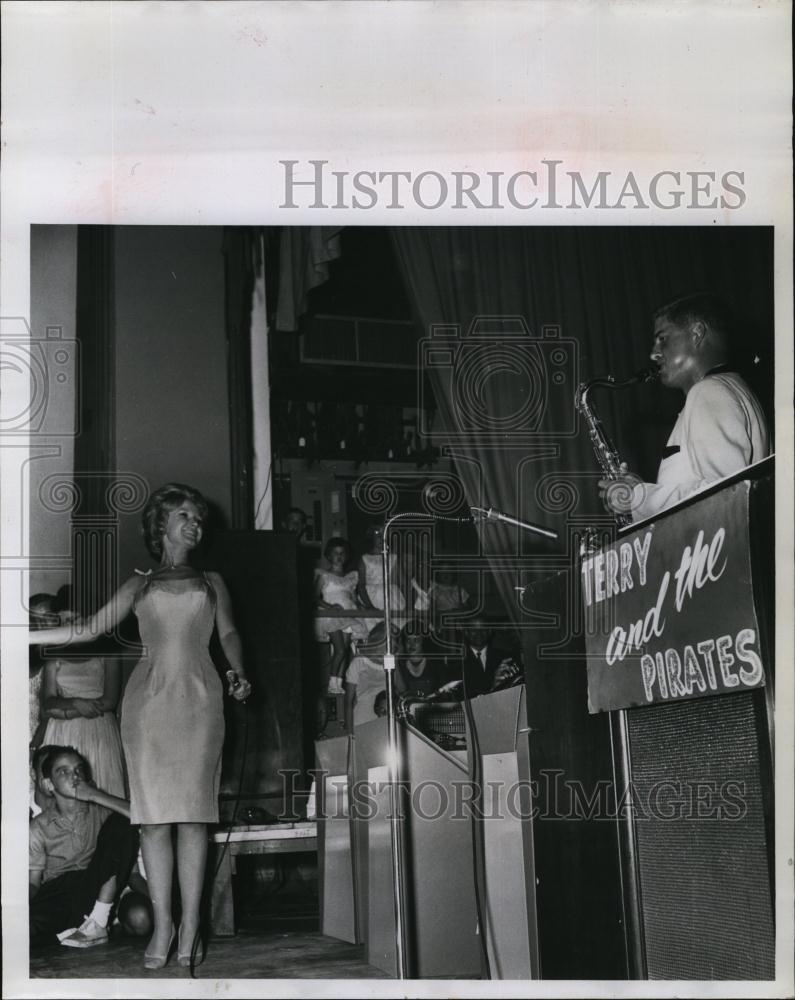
53,752
705,307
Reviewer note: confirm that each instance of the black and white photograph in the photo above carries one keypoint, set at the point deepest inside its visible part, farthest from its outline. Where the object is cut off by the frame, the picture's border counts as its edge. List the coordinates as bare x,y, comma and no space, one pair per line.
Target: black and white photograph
400,535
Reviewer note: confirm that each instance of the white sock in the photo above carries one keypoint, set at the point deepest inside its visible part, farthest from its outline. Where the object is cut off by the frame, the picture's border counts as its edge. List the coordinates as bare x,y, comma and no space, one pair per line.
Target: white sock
100,913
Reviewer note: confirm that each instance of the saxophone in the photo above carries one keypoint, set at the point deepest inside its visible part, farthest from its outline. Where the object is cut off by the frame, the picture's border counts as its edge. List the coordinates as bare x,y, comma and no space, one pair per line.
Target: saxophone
606,452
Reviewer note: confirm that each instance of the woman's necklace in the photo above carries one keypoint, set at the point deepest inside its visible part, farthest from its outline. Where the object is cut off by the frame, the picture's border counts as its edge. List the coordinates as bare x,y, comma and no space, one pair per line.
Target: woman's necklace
170,566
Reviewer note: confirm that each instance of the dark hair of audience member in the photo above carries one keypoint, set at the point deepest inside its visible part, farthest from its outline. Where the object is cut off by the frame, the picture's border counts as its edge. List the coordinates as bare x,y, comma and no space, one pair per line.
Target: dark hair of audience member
54,752
337,543
371,532
135,914
43,611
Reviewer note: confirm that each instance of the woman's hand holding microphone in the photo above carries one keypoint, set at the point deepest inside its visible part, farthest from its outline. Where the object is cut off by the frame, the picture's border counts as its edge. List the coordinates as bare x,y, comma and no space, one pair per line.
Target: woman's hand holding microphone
239,687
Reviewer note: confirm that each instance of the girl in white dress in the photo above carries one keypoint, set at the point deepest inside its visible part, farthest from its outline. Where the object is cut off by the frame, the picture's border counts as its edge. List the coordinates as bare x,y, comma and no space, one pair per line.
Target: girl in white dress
79,701
42,615
371,574
79,698
334,588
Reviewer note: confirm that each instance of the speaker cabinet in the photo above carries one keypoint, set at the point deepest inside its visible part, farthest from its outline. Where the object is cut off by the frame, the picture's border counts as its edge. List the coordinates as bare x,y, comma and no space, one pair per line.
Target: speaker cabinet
698,853
703,827
264,737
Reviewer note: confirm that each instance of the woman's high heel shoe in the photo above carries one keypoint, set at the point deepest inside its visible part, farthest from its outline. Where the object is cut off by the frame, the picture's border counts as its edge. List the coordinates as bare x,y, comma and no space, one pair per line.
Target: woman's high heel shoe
183,958
154,962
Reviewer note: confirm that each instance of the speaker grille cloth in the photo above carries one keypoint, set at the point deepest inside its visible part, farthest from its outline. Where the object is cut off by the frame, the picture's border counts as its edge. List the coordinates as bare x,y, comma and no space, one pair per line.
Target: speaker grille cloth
705,883
442,723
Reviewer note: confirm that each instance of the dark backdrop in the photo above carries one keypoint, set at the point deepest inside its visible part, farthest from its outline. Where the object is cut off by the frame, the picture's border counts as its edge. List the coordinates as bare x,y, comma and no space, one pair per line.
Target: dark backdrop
598,287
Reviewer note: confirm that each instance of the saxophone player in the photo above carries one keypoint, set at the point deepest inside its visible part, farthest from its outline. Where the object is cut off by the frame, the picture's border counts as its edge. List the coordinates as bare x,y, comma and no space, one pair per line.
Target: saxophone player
721,428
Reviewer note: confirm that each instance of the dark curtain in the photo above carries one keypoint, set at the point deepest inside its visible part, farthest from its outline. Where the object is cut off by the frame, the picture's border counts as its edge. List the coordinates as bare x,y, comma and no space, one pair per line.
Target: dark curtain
304,257
586,297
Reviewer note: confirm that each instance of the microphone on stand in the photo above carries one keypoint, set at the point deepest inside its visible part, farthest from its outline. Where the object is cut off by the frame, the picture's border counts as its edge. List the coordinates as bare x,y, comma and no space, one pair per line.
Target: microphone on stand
490,514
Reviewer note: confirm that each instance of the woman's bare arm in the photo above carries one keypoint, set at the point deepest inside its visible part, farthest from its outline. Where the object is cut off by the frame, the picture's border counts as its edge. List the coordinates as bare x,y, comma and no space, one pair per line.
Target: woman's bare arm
115,611
319,593
364,597
229,636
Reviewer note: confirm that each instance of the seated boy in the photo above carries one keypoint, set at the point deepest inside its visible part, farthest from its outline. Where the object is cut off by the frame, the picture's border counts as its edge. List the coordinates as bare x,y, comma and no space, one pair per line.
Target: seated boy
78,864
365,677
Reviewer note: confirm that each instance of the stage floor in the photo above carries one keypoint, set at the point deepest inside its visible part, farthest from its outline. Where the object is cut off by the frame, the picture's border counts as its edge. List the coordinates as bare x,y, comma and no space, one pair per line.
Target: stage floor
252,954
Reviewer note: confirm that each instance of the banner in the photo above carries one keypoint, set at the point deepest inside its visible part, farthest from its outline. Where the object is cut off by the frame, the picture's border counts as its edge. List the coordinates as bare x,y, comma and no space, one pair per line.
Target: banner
669,611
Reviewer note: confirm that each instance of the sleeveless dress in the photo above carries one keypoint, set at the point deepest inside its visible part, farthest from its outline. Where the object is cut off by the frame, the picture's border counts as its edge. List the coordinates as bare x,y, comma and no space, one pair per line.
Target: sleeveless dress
172,723
340,590
374,582
96,739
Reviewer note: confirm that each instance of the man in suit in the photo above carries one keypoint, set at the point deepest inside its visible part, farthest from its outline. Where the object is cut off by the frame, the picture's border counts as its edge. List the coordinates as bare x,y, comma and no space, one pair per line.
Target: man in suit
484,667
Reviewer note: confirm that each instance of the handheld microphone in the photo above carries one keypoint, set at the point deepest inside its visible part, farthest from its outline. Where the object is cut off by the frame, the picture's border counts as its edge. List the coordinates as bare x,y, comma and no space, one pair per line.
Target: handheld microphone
490,514
234,680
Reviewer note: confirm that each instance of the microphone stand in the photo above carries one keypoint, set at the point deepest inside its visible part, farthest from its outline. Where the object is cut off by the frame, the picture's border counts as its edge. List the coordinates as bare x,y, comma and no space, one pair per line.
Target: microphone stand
393,751
395,763
394,767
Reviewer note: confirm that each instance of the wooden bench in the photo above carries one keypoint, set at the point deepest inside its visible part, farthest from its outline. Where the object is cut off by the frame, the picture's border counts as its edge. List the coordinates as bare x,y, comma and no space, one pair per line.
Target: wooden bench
275,838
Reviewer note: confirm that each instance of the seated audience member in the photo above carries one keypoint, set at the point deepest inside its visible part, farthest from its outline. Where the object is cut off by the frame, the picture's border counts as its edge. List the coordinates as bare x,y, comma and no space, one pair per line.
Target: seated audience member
446,593
721,428
446,596
43,614
295,523
336,589
40,797
371,574
135,912
79,697
365,677
379,705
415,674
78,864
484,666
